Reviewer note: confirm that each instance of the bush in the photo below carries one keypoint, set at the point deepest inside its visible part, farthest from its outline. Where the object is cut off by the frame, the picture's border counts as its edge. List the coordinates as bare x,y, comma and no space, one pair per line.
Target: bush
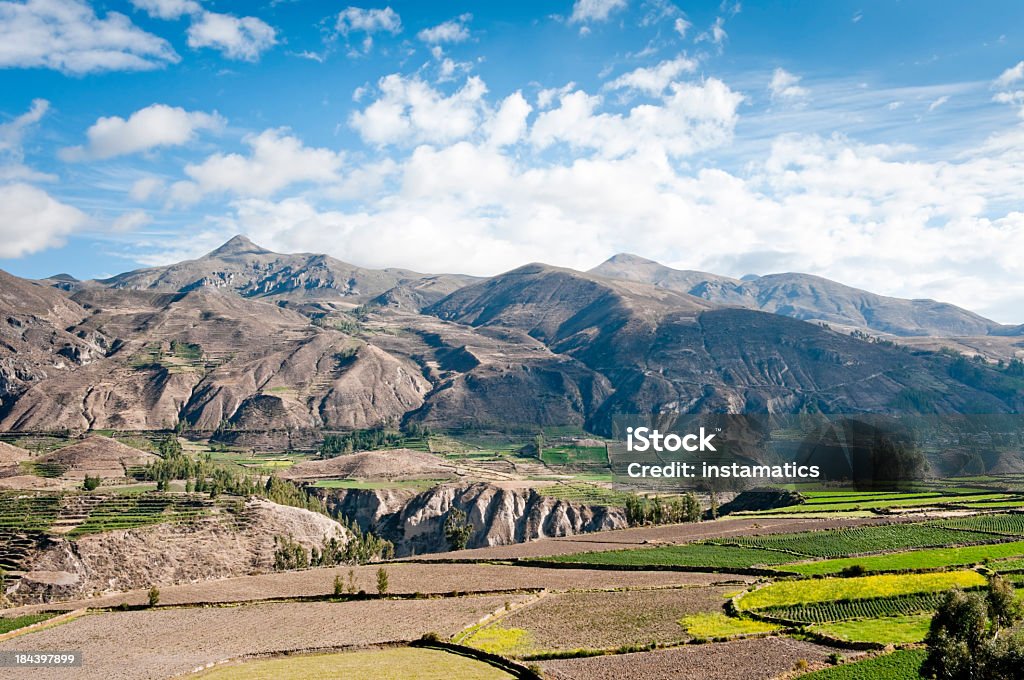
91,483
154,596
457,529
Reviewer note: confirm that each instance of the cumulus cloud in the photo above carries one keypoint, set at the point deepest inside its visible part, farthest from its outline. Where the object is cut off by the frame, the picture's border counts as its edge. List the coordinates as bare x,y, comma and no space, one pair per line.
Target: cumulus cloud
594,10
168,9
410,111
31,220
276,160
509,123
655,79
690,118
68,36
242,38
358,20
155,126
785,85
1010,75
453,31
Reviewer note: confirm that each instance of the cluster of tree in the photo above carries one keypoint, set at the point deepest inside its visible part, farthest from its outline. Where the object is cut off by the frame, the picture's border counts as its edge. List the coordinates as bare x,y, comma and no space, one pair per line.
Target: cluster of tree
641,510
457,529
973,636
361,548
360,440
91,483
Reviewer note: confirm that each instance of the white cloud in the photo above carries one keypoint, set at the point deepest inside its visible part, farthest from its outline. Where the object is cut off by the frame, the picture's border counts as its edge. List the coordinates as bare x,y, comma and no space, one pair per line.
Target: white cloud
655,79
715,34
145,188
277,160
689,119
681,26
155,126
168,9
453,31
785,85
242,38
1010,75
508,125
358,20
31,220
131,221
594,10
410,111
938,102
68,36
12,136
548,96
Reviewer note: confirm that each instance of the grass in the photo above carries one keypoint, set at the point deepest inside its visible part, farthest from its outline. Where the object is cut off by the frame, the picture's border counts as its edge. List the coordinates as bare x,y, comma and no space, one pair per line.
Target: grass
787,593
697,555
7,625
583,492
898,630
861,540
501,641
588,456
902,665
709,626
827,612
398,663
933,558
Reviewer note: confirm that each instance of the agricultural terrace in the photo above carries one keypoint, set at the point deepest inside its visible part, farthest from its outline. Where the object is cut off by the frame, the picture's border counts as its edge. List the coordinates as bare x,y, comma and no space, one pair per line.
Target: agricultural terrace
932,558
890,630
397,663
900,665
787,593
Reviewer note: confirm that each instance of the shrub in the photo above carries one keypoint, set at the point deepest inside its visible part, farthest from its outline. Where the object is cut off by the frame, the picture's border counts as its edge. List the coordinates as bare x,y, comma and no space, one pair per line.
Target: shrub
91,483
154,596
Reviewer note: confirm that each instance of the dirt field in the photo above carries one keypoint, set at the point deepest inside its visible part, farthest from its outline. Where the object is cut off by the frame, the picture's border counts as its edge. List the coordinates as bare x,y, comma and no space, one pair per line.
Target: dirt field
403,578
612,619
757,659
675,533
165,642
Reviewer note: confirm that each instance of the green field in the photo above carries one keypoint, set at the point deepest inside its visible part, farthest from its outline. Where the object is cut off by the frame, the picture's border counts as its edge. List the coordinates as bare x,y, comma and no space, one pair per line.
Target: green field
583,456
933,558
898,630
9,624
585,493
902,665
826,612
139,510
1003,523
697,555
787,593
861,540
399,663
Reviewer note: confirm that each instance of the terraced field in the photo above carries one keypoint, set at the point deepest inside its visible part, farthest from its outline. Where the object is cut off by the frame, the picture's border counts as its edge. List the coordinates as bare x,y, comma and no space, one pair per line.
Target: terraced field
902,665
863,540
789,593
826,612
696,555
932,558
896,630
1009,524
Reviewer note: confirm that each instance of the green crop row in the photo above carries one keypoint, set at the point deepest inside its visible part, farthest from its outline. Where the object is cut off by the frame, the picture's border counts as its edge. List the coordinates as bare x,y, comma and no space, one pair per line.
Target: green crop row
828,612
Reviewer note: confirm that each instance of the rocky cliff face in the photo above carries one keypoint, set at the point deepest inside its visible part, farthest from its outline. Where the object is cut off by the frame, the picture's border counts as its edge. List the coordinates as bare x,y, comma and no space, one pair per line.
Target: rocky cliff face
169,554
500,516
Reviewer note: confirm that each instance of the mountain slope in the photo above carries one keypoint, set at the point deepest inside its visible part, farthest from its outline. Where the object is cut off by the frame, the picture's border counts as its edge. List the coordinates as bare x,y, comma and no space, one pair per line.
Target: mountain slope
666,351
807,297
251,271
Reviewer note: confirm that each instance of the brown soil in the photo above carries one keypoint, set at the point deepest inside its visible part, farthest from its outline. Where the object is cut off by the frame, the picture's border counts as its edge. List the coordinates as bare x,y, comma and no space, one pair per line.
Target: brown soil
165,642
402,578
644,536
392,464
604,620
98,456
756,659
12,455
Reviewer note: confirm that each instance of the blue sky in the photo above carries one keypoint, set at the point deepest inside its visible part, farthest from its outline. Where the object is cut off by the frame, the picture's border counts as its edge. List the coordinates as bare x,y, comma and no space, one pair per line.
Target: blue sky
877,143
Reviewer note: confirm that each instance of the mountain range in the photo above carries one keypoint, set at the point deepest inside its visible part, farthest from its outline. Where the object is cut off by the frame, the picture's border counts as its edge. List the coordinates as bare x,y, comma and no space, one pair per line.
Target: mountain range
244,340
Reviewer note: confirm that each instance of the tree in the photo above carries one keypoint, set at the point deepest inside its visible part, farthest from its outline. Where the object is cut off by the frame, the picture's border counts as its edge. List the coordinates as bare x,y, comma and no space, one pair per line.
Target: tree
154,596
457,529
91,483
339,586
538,445
382,581
971,636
